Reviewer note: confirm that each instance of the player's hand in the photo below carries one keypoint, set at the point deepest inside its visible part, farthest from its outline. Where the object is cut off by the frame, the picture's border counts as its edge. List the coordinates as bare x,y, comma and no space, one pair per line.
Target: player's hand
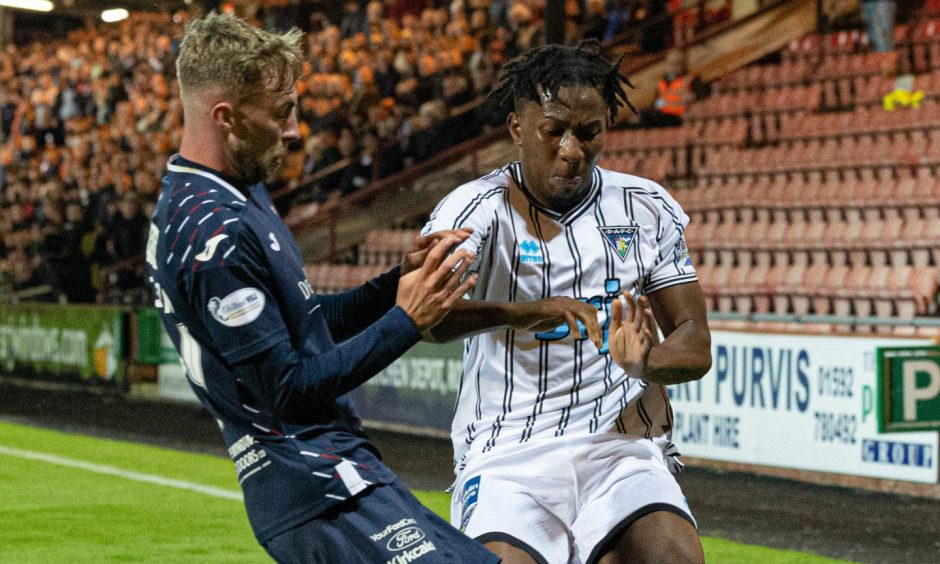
549,313
422,244
429,292
632,339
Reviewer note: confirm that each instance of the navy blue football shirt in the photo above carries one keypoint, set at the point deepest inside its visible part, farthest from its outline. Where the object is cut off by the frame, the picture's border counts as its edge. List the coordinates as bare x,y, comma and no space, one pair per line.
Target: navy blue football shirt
269,358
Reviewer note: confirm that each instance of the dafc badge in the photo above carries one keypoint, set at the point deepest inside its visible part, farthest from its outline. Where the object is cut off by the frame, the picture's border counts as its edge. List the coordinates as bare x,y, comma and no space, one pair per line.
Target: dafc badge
620,238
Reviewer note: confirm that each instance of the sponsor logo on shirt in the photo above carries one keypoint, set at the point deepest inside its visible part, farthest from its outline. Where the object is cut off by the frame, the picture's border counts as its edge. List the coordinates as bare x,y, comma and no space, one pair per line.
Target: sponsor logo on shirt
306,289
531,252
241,307
391,529
413,554
211,245
468,498
681,253
405,538
619,238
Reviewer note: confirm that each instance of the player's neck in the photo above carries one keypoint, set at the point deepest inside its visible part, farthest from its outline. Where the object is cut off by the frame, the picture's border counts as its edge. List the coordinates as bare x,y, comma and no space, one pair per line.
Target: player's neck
560,206
206,153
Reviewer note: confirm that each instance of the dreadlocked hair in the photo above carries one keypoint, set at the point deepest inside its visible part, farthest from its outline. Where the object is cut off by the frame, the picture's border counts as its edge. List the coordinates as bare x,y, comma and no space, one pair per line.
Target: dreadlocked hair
553,66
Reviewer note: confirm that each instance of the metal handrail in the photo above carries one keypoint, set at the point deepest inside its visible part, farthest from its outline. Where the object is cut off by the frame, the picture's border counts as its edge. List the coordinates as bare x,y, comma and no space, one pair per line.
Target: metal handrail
817,318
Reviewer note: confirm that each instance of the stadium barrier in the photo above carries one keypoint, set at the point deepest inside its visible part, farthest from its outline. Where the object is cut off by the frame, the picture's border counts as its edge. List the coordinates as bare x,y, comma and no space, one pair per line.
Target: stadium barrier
797,405
68,344
805,402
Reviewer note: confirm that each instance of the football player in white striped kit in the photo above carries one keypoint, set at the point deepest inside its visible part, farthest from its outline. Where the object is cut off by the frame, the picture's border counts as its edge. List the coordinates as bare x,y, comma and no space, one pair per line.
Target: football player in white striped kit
562,448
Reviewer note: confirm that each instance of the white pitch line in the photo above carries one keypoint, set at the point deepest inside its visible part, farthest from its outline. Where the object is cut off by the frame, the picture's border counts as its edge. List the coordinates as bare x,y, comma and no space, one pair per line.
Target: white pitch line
127,474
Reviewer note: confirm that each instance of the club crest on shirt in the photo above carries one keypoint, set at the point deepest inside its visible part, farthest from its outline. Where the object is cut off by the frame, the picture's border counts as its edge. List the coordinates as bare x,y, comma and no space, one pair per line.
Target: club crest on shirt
619,237
241,307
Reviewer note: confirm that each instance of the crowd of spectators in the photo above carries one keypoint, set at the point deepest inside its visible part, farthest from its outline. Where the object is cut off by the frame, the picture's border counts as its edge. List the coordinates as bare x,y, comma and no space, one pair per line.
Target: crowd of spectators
88,123
86,127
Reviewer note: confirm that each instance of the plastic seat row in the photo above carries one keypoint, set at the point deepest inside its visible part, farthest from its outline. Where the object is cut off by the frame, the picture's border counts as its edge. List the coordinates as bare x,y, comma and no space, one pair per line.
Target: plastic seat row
900,148
657,165
873,240
903,292
881,187
645,139
815,46
385,246
758,77
856,64
863,119
789,97
326,278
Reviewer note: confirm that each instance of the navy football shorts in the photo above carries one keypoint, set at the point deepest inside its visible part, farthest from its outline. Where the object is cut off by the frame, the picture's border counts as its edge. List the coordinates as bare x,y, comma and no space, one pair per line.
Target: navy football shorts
386,524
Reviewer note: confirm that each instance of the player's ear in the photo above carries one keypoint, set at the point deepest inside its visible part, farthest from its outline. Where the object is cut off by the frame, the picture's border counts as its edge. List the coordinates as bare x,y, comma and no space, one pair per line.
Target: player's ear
515,128
223,115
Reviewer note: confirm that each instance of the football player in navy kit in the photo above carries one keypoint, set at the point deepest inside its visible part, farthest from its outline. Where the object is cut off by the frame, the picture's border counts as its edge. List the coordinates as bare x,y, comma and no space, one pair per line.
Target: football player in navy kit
269,358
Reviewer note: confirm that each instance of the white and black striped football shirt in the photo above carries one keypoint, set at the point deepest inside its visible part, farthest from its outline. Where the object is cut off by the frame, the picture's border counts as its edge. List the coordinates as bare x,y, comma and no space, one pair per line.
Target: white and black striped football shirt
627,234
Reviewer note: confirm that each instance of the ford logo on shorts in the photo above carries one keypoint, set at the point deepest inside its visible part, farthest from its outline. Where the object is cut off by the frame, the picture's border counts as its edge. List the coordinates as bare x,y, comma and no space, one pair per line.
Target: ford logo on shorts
405,538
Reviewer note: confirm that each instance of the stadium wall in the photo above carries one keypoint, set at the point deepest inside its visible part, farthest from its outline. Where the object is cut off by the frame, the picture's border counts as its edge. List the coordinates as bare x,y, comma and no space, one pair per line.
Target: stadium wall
803,407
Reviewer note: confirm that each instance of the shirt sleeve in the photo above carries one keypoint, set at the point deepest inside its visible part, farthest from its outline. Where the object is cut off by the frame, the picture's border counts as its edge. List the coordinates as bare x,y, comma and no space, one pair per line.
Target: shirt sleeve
467,207
296,383
237,308
673,265
349,312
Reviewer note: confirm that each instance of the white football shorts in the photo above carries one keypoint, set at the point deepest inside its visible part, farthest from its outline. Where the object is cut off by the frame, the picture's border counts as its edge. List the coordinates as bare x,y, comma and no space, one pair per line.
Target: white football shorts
563,498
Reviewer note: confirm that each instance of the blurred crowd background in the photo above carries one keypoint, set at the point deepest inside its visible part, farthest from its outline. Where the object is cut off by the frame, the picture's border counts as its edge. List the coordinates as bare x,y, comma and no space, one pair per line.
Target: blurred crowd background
88,120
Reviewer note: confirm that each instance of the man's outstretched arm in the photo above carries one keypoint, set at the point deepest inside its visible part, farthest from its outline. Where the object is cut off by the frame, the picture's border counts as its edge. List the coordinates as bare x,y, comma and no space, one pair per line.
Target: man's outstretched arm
469,317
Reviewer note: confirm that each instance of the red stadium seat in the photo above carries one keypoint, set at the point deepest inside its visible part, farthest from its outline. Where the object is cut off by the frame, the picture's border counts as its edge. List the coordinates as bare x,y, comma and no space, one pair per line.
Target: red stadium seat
813,284
879,291
850,290
827,295
917,296
792,284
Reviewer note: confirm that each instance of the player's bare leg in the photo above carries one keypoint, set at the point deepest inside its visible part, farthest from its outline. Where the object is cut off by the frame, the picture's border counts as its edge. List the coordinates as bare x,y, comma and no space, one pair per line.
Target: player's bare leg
660,536
509,553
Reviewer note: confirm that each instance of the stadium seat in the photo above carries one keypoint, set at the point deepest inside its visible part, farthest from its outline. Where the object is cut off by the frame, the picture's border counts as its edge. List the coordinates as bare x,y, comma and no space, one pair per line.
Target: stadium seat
879,290
730,292
791,284
850,290
900,247
917,296
802,296
827,296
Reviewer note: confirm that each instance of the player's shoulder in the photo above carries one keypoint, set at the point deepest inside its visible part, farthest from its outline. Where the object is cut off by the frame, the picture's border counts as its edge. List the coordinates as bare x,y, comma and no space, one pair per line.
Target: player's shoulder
630,182
203,224
495,182
643,189
480,193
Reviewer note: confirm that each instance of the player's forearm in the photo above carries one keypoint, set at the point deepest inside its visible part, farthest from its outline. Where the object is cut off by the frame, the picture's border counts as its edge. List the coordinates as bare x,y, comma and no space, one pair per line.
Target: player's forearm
469,317
348,313
684,356
293,383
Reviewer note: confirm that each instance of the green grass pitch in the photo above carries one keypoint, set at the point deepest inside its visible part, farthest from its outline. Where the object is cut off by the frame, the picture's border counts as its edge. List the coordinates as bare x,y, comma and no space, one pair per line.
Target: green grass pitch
72,498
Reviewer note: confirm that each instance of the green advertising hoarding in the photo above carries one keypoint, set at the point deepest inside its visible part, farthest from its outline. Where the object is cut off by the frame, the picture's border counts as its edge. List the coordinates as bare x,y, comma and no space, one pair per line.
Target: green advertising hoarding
63,343
909,388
